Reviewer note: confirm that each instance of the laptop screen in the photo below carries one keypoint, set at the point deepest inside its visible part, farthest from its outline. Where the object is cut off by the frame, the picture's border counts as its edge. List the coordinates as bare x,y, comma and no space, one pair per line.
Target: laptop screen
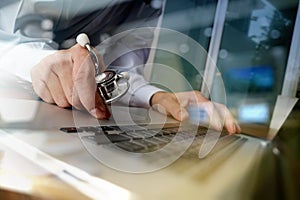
251,59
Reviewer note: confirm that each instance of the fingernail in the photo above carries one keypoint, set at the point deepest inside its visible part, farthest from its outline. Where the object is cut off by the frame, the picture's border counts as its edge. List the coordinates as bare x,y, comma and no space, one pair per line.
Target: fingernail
238,128
97,113
233,129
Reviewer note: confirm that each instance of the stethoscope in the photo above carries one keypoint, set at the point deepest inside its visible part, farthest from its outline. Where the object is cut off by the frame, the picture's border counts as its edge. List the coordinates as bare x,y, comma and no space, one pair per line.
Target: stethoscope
111,85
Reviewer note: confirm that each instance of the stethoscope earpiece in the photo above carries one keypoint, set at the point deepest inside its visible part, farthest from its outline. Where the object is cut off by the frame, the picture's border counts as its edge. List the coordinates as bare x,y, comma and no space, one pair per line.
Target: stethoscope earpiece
82,39
111,85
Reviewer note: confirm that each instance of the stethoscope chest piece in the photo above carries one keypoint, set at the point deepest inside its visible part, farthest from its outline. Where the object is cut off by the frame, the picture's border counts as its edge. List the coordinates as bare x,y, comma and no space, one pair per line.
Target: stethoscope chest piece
110,84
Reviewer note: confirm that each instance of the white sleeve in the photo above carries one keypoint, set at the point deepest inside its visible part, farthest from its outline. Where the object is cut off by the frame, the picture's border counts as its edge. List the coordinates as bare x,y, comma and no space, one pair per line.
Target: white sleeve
18,53
128,50
124,55
140,91
20,58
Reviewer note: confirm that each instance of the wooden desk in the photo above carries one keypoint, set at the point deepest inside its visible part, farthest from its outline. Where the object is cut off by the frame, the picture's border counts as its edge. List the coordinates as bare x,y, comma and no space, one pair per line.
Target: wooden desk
22,179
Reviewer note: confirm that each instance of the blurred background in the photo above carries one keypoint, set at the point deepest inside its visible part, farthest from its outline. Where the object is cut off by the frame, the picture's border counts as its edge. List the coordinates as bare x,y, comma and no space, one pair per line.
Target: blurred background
254,41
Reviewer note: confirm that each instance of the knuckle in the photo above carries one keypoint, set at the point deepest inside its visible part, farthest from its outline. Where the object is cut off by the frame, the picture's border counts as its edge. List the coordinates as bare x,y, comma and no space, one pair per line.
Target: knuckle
63,63
85,77
176,110
41,89
78,52
168,100
48,99
69,97
77,105
62,102
75,102
200,96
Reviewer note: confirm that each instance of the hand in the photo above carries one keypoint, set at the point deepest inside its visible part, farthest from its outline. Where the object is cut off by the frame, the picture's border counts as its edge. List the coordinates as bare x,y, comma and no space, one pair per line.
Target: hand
175,104
67,78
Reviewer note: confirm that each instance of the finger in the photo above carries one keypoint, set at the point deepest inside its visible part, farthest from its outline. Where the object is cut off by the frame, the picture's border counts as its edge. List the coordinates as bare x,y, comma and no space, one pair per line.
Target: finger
41,89
85,86
215,121
76,103
184,103
192,97
230,122
238,128
101,105
173,107
64,74
232,126
39,83
57,91
64,71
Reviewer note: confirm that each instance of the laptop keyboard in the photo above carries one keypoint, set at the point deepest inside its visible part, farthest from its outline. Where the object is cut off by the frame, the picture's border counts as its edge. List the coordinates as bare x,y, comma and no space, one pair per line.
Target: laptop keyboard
141,140
138,139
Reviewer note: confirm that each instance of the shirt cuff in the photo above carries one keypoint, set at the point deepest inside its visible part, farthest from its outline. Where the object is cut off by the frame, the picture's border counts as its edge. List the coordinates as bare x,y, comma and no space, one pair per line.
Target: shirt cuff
142,96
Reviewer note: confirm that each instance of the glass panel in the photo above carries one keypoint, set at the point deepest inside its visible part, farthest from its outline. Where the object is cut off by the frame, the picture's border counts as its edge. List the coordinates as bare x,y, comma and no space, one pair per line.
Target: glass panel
194,19
253,55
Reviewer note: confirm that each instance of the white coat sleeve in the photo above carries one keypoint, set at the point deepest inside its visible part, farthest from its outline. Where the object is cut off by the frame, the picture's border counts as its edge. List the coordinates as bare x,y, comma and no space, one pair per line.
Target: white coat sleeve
18,54
128,50
122,54
18,59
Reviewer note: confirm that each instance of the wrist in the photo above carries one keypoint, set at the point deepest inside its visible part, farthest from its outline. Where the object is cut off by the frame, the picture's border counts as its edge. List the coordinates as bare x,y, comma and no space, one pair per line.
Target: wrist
157,97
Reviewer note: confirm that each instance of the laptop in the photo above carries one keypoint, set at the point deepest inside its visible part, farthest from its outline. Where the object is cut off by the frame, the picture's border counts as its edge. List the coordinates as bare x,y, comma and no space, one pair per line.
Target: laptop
134,153
139,158
134,159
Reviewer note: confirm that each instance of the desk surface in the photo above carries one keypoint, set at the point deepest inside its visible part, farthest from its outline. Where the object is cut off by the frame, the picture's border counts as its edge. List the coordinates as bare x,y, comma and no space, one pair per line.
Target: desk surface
269,177
23,179
254,175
